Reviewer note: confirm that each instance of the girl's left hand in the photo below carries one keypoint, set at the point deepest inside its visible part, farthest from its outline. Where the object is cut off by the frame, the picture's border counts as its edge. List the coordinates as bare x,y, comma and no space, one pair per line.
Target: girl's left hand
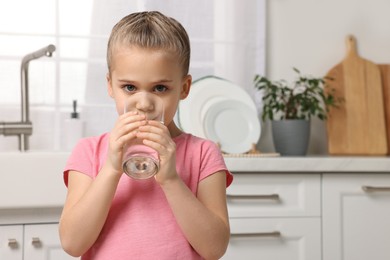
156,135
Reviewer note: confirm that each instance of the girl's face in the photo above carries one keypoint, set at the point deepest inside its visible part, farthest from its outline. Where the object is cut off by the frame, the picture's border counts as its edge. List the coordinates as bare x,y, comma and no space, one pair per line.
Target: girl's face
135,69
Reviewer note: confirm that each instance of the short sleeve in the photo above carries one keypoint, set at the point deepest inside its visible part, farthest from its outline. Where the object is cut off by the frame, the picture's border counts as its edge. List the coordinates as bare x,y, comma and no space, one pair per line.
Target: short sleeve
212,161
80,159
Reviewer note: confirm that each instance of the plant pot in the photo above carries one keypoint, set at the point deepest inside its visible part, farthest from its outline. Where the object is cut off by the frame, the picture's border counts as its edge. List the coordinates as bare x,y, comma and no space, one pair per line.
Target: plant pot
291,137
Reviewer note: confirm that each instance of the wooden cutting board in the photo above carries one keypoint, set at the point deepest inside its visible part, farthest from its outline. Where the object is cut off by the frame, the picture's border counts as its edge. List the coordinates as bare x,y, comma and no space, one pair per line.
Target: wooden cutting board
357,127
385,74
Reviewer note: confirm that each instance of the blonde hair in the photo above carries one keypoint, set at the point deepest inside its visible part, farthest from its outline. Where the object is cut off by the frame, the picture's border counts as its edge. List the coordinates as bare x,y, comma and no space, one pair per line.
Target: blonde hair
151,30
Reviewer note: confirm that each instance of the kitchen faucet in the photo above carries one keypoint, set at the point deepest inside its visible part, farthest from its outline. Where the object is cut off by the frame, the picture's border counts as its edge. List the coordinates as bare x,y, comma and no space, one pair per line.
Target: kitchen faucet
23,128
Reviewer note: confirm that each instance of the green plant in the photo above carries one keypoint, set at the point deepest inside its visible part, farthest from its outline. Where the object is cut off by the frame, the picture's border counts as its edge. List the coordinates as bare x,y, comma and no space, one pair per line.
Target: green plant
304,98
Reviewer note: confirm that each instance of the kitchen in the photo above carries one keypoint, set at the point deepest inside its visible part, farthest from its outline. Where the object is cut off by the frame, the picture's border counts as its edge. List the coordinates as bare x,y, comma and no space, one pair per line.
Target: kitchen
305,34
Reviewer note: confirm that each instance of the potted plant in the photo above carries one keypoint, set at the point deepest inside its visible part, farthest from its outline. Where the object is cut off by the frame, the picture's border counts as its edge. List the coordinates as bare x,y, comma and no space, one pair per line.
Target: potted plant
290,108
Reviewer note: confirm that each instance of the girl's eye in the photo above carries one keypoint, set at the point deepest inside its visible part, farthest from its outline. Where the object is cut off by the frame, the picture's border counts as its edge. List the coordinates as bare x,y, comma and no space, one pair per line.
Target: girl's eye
160,88
129,88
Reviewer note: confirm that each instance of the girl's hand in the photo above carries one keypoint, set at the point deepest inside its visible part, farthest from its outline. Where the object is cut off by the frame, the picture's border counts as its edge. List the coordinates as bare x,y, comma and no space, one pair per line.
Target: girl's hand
125,129
156,135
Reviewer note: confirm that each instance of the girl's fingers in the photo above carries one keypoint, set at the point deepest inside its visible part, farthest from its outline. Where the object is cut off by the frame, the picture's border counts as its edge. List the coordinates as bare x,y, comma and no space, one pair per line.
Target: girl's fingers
129,128
153,131
129,118
128,123
153,126
156,136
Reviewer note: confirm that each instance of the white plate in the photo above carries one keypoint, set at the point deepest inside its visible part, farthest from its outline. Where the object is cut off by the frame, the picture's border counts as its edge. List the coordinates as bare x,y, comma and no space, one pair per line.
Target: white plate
203,93
233,125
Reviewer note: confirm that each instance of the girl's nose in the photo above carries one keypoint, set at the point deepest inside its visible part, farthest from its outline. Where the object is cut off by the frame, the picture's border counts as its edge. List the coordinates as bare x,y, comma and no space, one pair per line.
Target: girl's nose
144,106
144,103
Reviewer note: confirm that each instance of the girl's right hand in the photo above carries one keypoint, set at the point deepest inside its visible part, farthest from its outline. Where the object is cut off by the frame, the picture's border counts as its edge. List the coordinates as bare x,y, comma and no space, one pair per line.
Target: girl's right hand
125,129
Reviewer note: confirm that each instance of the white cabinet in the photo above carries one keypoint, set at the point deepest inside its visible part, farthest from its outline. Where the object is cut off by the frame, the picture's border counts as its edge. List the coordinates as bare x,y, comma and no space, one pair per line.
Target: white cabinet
275,216
31,242
11,242
275,239
356,216
41,242
274,195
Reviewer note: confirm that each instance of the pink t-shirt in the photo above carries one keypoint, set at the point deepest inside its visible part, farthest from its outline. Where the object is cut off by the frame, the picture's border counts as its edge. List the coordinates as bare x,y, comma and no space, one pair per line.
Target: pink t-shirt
140,224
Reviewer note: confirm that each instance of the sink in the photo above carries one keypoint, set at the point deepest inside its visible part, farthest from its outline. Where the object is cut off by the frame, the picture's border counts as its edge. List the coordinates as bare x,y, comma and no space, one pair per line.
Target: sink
32,180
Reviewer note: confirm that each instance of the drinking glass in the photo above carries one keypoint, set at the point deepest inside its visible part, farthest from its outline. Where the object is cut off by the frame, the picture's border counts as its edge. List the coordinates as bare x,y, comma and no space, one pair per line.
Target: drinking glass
141,161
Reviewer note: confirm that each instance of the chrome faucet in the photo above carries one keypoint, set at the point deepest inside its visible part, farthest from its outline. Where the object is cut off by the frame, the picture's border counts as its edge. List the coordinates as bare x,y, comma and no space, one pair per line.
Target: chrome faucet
23,128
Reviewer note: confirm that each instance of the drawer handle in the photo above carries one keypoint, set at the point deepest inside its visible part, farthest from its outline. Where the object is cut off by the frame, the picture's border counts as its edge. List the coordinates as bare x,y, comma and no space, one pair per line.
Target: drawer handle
258,234
264,197
12,242
375,189
36,242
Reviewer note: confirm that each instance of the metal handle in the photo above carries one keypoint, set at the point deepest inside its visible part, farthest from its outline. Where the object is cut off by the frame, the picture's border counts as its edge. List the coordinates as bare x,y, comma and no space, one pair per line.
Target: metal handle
375,189
258,234
36,242
273,196
12,242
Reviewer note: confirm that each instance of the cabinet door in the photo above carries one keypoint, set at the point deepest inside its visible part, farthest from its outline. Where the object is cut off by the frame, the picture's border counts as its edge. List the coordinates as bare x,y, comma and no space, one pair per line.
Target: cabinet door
42,243
274,238
275,195
11,242
356,216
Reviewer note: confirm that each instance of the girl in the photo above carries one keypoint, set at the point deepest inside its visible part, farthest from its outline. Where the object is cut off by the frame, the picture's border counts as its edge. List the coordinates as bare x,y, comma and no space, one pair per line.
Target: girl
181,213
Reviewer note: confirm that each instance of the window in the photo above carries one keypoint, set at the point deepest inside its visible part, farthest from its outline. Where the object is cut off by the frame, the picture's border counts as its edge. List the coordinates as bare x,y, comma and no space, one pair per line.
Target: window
227,40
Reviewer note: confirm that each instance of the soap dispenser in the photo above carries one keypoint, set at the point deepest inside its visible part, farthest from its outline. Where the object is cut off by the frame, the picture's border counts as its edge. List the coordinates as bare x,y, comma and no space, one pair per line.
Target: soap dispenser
74,128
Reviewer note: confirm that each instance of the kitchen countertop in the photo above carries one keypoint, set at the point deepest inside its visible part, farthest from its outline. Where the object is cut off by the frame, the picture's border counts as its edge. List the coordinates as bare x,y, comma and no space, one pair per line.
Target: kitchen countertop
305,164
34,179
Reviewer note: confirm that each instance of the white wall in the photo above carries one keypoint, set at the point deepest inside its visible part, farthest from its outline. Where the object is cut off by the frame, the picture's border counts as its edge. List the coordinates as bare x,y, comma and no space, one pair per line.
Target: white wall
310,35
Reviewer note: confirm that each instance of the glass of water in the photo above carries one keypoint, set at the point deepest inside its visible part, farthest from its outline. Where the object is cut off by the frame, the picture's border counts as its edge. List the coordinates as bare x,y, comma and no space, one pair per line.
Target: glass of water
141,161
